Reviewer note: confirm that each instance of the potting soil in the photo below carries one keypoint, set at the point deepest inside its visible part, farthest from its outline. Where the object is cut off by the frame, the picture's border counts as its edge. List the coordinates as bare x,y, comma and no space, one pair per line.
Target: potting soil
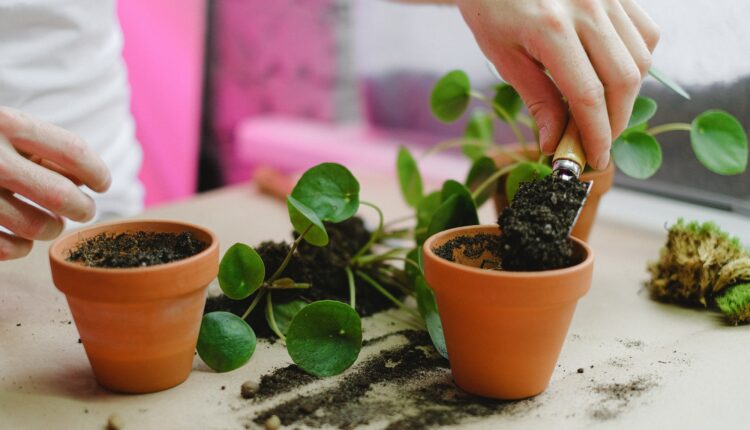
135,249
535,226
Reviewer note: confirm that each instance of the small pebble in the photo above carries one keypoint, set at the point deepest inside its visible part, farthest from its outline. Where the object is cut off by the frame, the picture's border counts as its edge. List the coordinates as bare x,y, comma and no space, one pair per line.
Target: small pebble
114,422
580,370
273,423
223,387
249,389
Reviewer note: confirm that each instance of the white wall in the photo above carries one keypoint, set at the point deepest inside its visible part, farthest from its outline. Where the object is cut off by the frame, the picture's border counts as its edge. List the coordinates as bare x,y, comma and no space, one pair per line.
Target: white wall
703,41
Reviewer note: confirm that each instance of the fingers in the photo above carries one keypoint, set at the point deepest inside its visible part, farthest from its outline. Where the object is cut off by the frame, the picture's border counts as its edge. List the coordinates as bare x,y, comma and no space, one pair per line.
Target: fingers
539,93
560,50
13,246
616,69
57,145
27,221
630,35
647,28
50,190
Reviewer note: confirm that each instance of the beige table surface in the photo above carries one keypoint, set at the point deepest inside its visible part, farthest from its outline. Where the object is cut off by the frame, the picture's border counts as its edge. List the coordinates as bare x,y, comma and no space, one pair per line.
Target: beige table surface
699,368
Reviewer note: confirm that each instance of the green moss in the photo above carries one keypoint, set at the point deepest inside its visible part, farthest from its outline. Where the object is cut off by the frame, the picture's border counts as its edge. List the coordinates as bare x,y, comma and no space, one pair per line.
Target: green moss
707,229
735,304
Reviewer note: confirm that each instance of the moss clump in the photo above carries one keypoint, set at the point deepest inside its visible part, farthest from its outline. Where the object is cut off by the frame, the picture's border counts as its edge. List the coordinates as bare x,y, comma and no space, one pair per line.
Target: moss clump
701,266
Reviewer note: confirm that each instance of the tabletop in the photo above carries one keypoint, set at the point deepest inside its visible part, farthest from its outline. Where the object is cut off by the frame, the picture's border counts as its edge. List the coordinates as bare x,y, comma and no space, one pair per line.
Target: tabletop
628,362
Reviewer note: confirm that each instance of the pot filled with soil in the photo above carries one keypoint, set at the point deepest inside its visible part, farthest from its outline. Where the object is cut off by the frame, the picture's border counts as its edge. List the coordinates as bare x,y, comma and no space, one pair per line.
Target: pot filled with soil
506,294
136,290
601,183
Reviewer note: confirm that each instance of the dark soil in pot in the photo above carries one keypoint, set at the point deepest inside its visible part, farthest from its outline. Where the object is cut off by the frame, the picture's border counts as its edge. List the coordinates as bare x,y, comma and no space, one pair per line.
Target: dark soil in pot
534,230
135,249
322,267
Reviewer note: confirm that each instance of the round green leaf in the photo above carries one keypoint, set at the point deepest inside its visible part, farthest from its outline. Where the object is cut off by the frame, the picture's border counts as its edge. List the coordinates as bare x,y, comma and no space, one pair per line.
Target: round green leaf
284,313
241,271
426,209
524,172
412,272
302,217
719,142
427,306
637,154
457,211
451,187
643,109
480,171
330,190
507,102
409,177
480,130
325,338
225,341
451,95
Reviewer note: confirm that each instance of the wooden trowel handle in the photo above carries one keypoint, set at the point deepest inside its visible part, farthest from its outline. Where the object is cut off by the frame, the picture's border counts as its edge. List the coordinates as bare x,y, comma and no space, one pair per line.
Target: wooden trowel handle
570,146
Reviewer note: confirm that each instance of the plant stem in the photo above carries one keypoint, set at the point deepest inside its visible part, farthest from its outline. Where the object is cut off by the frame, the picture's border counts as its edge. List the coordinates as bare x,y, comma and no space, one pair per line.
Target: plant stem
408,261
366,259
399,220
352,288
673,126
374,236
288,257
272,318
512,123
385,292
254,303
491,180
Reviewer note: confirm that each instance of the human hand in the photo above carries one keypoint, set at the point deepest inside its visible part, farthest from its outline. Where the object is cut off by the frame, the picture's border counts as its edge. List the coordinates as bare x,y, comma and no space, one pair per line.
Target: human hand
596,52
44,164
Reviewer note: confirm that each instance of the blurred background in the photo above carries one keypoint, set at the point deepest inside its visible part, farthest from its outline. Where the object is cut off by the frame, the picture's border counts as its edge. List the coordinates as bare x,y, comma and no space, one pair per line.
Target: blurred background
221,87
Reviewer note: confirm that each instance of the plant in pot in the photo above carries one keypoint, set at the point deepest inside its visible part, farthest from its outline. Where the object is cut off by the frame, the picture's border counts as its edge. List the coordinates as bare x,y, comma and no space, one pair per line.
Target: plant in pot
136,290
717,139
308,294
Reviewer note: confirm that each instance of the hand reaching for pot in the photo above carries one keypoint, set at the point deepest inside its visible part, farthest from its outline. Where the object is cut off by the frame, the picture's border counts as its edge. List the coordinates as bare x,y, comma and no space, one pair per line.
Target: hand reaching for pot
45,164
596,53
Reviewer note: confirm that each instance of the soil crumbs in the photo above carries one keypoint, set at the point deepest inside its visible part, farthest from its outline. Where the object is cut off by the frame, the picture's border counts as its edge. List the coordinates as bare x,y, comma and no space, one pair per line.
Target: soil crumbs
535,226
617,397
405,387
135,249
472,247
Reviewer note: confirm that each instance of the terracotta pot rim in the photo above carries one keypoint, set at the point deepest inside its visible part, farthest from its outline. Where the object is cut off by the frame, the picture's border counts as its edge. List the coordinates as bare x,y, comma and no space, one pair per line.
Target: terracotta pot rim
491,228
56,251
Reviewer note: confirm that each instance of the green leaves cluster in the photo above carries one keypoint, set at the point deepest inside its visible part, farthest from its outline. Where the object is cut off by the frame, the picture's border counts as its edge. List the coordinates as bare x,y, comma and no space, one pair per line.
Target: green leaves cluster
323,338
716,137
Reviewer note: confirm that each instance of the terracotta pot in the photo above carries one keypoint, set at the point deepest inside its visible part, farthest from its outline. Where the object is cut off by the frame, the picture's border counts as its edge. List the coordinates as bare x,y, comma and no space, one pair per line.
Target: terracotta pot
139,326
602,180
503,330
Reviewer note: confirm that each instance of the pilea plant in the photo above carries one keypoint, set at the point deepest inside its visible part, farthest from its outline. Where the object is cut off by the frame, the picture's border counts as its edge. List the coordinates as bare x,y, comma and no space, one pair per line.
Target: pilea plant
323,337
717,138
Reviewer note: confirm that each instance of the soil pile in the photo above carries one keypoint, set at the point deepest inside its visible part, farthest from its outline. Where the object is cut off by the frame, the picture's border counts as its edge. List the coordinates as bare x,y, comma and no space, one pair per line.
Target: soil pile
535,226
322,267
135,249
406,387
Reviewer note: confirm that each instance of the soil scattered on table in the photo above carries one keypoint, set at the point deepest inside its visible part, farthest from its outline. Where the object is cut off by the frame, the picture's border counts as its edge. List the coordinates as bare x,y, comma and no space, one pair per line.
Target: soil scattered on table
535,226
135,249
322,267
404,387
617,397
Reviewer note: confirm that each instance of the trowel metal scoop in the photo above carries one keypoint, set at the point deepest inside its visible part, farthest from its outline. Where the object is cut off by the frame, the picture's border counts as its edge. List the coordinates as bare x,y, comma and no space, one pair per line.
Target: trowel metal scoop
569,161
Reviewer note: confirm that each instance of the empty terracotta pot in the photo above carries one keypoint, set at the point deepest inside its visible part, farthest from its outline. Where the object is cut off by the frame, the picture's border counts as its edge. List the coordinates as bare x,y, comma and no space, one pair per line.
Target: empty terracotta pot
139,326
504,330
602,182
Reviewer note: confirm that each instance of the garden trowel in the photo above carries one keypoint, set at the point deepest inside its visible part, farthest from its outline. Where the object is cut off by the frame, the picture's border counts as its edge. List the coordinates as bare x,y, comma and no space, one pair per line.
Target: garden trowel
569,161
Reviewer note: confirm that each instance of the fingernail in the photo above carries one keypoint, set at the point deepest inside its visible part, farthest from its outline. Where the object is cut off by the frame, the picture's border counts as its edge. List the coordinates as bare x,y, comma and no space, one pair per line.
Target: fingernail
603,161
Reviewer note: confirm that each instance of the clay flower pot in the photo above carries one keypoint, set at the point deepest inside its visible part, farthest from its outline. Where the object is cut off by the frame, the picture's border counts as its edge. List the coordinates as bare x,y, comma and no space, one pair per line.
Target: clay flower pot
602,183
504,330
139,326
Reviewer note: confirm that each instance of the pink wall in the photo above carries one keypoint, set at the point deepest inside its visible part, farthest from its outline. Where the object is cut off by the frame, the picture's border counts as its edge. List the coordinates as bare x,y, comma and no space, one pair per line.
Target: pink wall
164,53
